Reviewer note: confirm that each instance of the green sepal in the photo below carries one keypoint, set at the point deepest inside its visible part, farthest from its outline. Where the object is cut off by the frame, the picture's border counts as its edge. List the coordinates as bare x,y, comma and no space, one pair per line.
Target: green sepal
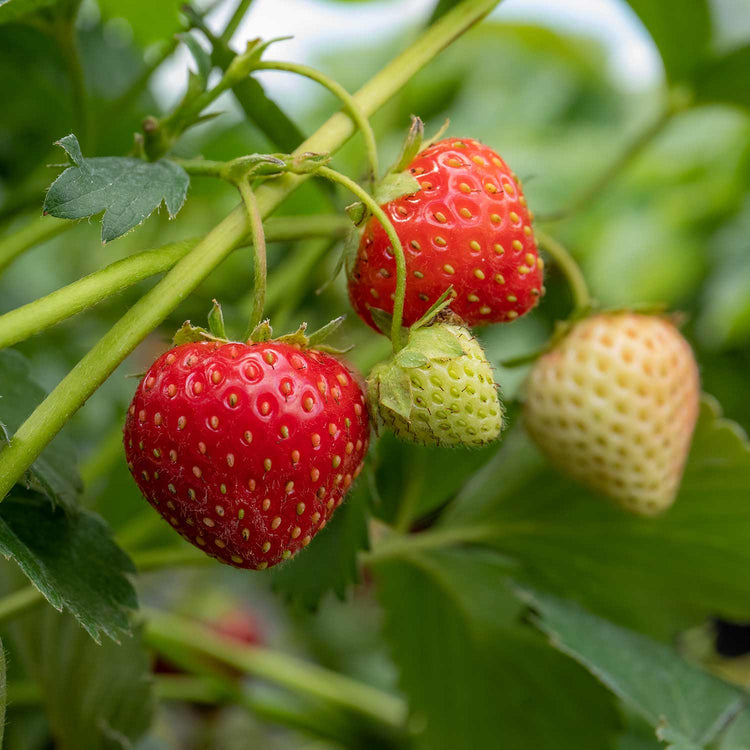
298,338
382,319
395,185
262,332
411,358
216,321
190,334
438,306
412,145
201,57
316,337
436,343
358,213
440,133
243,64
393,389
328,349
245,167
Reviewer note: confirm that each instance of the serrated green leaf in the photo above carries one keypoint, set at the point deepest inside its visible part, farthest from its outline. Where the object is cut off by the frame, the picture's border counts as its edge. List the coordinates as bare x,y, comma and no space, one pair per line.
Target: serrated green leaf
126,189
686,705
725,79
54,473
330,562
13,10
95,696
436,342
681,30
411,358
657,575
396,185
472,672
72,560
394,390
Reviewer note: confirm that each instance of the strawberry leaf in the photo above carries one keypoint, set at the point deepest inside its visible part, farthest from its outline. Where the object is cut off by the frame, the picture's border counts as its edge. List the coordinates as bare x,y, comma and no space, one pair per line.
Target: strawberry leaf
657,575
54,473
331,563
102,698
686,706
13,10
472,671
126,189
72,560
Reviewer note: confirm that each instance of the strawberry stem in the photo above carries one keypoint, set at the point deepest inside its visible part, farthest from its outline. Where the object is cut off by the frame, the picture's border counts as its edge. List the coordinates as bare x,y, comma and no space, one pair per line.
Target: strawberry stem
398,250
350,105
570,268
259,242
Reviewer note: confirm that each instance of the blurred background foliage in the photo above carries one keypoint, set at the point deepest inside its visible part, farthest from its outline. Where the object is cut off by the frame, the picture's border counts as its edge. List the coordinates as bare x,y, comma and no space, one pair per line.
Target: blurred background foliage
673,227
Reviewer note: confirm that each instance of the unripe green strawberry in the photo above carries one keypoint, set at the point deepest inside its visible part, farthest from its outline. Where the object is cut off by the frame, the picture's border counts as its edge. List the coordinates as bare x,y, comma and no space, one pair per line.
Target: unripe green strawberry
438,390
614,405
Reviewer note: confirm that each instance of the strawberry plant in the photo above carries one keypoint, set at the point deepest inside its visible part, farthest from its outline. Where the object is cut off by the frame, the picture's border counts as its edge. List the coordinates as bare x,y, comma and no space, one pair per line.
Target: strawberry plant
488,487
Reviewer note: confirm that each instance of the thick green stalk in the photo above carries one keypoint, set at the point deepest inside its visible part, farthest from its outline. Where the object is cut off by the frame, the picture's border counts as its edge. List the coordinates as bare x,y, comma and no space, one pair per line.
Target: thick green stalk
45,312
398,250
350,104
301,677
261,264
236,19
83,380
38,230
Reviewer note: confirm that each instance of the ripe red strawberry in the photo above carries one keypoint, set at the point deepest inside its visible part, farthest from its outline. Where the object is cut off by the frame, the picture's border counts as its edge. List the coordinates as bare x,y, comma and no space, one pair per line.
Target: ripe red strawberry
614,405
468,227
246,449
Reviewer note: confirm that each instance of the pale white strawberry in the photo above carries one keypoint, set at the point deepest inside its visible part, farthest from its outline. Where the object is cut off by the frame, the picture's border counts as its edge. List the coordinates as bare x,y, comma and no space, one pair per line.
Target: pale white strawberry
614,405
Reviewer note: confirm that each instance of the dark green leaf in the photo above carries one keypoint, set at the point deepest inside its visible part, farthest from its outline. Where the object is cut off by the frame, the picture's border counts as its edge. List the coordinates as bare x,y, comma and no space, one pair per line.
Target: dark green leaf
737,733
13,10
429,476
126,189
681,30
686,704
657,575
330,562
150,20
472,672
97,697
54,473
725,79
72,560
201,57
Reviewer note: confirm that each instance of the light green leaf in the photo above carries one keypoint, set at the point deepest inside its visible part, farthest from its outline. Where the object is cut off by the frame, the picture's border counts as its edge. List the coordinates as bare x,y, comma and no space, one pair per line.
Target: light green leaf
687,706
657,575
72,560
126,189
97,697
473,674
54,473
681,29
737,733
725,79
330,562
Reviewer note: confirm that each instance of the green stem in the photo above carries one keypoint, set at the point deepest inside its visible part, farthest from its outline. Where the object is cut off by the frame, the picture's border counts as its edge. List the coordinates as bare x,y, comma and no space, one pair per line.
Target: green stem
627,155
23,322
287,671
66,39
83,380
398,250
235,21
350,104
572,271
261,264
35,232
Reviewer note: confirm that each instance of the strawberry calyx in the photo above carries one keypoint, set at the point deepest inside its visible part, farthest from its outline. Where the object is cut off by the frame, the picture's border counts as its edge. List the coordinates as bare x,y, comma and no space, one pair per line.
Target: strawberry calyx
262,333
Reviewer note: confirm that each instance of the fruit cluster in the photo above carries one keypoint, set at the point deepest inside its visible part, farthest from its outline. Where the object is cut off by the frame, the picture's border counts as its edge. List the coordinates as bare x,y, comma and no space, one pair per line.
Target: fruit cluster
248,449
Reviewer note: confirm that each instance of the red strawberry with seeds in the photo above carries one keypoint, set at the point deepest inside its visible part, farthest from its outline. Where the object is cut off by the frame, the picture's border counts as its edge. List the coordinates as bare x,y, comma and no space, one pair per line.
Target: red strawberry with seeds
246,449
468,226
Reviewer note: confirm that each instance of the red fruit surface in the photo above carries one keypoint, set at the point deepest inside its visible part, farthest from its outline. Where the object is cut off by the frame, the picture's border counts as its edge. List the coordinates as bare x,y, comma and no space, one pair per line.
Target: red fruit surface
246,449
468,226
